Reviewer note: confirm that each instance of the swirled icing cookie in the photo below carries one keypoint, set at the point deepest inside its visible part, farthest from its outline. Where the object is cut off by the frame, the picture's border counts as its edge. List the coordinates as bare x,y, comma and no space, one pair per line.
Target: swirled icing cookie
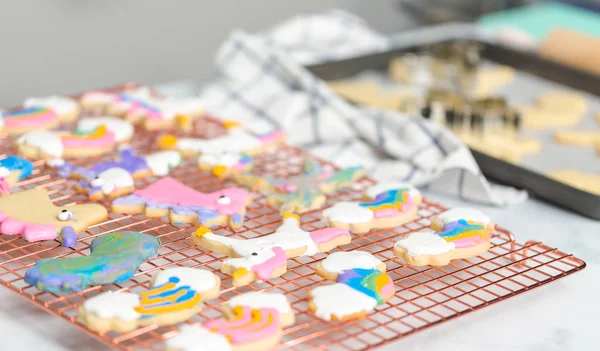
112,179
32,215
169,197
236,139
176,294
42,144
458,233
266,257
122,129
26,119
254,323
391,205
305,192
113,258
65,107
12,170
223,164
357,290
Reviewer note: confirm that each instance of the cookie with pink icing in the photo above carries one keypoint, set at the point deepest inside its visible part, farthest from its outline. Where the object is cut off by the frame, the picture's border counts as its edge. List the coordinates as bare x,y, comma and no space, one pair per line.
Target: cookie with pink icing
361,284
115,178
182,204
235,140
66,108
263,258
458,233
26,119
175,295
388,206
32,215
254,323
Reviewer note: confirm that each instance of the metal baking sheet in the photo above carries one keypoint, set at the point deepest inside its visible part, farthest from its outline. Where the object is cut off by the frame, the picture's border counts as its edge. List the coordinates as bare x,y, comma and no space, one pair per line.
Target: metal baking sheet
534,77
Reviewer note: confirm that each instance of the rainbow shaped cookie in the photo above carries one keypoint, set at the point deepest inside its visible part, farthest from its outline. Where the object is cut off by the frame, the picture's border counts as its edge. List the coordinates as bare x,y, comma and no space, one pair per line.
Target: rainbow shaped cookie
388,206
254,323
114,258
32,215
13,169
175,295
265,257
39,113
457,234
182,204
361,285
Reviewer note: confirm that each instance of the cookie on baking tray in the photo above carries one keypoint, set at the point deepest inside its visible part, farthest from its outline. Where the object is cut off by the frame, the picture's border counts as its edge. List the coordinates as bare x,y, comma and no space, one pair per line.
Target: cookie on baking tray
457,233
361,284
254,323
388,205
175,295
113,258
264,258
32,215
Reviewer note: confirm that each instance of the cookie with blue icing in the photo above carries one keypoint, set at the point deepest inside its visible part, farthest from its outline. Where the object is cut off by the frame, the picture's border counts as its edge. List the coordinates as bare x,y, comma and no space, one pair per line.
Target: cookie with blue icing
13,169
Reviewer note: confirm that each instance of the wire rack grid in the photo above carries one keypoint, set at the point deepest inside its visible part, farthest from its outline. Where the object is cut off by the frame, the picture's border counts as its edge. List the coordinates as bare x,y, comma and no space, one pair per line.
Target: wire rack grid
425,296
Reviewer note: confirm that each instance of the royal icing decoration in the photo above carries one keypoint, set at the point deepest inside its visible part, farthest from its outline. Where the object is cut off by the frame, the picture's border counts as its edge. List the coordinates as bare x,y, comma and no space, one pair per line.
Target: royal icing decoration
425,243
391,207
225,163
29,118
32,215
458,213
184,204
114,258
236,140
13,169
61,105
76,144
259,258
176,294
345,260
305,192
258,299
356,292
123,130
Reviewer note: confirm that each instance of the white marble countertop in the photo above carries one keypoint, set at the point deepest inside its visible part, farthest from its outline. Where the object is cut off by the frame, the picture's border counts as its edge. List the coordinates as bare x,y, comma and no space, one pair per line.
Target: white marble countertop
560,316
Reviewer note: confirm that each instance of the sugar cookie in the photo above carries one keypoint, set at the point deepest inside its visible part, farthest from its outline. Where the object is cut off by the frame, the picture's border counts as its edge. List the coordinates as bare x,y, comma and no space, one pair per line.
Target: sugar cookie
459,233
579,138
123,101
391,205
223,164
236,139
26,119
182,204
356,293
166,112
96,100
65,107
587,182
337,262
254,323
176,294
32,215
13,169
112,179
263,258
113,258
41,144
123,130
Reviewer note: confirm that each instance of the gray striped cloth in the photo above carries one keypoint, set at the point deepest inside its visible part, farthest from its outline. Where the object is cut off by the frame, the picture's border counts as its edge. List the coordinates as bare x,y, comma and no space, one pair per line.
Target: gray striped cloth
264,85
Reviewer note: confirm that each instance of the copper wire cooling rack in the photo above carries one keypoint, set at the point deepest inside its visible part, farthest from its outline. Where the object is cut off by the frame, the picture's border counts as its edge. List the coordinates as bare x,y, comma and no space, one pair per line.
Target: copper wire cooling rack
425,296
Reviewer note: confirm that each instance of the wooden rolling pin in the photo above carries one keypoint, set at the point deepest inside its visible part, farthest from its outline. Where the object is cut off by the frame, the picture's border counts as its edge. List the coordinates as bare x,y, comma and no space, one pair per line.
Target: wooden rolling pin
574,49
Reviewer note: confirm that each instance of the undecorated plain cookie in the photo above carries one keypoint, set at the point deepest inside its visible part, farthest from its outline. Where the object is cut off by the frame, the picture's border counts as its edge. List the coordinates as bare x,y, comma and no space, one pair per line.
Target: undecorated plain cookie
389,205
361,285
182,204
457,234
578,138
254,323
175,295
265,257
32,215
113,258
587,182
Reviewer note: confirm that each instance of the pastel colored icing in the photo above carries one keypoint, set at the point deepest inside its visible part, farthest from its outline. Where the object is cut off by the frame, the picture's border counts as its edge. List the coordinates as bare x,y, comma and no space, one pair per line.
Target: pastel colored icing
248,325
379,188
425,243
96,96
260,299
194,338
14,163
47,142
345,260
29,117
99,137
455,214
60,104
122,129
464,234
170,193
114,258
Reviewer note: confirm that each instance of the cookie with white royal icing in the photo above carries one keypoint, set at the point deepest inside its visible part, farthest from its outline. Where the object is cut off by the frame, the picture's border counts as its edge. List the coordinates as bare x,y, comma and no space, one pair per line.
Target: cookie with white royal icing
361,285
122,129
389,205
13,169
225,163
26,119
263,258
175,295
254,323
457,234
66,108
